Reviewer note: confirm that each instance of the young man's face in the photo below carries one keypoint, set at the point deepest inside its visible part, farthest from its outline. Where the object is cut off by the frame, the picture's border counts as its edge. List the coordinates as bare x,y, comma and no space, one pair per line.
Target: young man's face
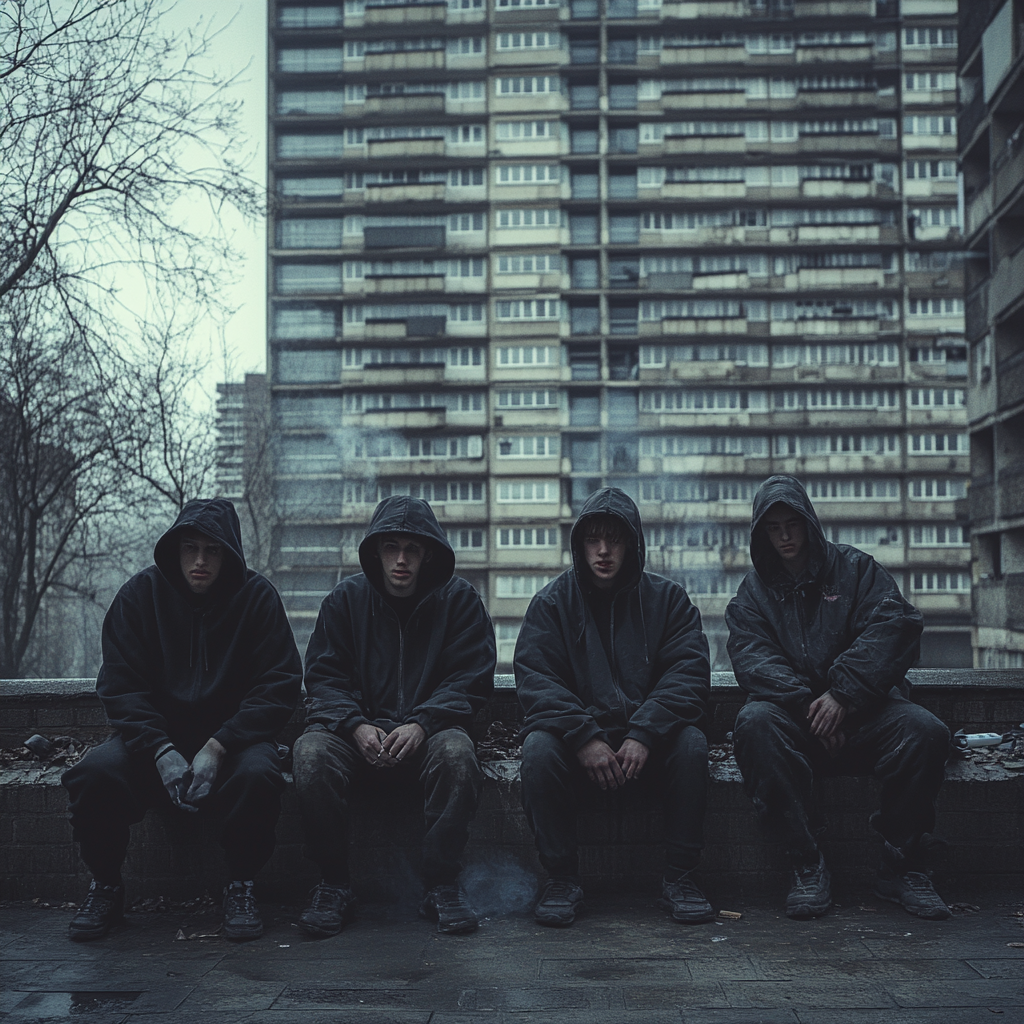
604,550
402,555
201,559
787,530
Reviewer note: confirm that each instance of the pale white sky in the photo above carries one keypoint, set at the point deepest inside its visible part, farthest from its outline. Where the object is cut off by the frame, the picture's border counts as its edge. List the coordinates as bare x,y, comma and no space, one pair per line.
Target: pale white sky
242,44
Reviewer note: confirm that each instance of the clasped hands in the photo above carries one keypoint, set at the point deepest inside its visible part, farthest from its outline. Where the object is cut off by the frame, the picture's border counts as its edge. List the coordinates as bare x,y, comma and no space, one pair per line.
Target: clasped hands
382,749
825,715
609,768
188,784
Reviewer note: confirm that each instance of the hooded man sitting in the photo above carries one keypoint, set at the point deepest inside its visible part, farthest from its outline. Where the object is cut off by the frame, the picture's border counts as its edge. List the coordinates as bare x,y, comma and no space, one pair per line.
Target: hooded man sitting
821,639
613,675
199,675
401,659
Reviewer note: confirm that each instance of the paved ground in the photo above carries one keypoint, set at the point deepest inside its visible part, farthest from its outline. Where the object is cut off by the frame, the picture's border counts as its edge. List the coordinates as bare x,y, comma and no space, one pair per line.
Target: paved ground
623,961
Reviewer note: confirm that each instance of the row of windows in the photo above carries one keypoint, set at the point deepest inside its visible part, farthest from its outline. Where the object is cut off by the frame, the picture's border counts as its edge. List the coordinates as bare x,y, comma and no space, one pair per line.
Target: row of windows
766,131
759,43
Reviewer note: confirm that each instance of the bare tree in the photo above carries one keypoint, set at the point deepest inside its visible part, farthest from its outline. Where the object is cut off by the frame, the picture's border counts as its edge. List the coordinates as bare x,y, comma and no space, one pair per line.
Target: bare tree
119,161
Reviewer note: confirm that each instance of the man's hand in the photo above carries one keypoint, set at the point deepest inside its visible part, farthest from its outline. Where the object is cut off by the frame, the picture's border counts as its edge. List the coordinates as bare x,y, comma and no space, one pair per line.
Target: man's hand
174,772
825,715
632,756
404,741
601,764
368,739
205,766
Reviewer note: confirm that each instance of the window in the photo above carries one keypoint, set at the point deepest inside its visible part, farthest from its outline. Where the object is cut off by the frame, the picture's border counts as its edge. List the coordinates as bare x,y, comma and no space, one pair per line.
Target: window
327,101
309,232
429,490
937,490
512,400
357,313
528,309
932,260
310,17
307,366
535,491
865,399
929,81
528,174
529,40
528,355
924,124
316,60
994,658
836,444
527,85
882,354
530,263
465,90
528,537
854,490
395,447
310,147
687,489
521,130
528,447
935,307
939,444
943,170
304,323
695,444
466,539
703,401
918,37
934,398
519,586
948,535
528,218
453,401
311,188
940,583
459,222
295,278
356,358
861,536
936,217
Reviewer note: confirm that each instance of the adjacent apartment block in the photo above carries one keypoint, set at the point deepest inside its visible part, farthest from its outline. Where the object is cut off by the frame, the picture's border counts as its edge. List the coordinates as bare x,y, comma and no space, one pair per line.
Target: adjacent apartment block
992,155
522,249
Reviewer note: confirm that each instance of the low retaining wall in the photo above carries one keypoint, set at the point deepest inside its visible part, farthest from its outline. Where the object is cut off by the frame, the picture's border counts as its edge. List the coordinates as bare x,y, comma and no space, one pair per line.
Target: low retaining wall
981,812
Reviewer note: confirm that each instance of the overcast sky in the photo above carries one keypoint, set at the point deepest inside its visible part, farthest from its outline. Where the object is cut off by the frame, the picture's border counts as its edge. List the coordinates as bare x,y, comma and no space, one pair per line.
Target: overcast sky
241,45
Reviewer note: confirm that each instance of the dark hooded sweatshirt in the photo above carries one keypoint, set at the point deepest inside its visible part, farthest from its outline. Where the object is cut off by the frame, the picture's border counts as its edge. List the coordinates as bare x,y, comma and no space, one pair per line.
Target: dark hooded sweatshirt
841,626
183,667
364,666
656,676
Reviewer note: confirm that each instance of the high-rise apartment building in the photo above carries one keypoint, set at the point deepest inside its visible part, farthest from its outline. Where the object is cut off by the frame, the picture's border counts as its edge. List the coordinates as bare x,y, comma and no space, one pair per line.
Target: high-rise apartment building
522,249
992,155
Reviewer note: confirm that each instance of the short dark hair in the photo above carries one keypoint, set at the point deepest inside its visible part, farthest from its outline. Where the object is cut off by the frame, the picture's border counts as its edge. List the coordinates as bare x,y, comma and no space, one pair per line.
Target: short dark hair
605,525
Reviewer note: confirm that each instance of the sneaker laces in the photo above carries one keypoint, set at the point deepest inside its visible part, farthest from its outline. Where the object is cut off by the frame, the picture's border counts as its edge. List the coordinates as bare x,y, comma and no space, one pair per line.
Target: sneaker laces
919,882
97,896
323,896
450,896
685,888
556,888
240,898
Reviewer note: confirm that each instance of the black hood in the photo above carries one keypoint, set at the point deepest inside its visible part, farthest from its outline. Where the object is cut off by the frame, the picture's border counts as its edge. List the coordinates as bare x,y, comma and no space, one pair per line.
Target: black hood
611,501
789,490
402,514
218,520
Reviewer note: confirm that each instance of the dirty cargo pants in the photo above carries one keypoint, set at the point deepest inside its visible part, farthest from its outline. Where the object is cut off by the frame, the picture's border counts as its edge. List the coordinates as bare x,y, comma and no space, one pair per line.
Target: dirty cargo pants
555,787
111,789
899,743
327,766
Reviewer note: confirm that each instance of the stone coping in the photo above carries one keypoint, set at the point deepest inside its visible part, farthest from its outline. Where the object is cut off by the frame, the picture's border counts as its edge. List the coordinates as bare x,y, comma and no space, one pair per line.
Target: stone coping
923,678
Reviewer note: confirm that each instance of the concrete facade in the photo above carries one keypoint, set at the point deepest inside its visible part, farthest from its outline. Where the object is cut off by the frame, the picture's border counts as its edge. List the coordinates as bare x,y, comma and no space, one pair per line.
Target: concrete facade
521,249
992,156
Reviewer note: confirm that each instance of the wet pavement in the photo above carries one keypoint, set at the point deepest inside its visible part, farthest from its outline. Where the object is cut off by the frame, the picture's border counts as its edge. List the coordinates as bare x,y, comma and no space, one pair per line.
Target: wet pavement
623,961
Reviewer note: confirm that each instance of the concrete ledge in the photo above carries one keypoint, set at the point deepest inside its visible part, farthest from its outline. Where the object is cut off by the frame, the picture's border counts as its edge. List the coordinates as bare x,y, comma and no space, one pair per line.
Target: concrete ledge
981,812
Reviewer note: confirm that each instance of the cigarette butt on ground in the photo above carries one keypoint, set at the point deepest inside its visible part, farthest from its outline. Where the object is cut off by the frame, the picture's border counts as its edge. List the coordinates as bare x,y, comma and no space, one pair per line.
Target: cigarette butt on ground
730,915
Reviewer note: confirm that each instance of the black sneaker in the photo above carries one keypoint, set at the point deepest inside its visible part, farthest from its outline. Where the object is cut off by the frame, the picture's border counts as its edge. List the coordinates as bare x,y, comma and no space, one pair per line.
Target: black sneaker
449,906
328,912
242,920
102,908
914,891
685,902
558,903
811,892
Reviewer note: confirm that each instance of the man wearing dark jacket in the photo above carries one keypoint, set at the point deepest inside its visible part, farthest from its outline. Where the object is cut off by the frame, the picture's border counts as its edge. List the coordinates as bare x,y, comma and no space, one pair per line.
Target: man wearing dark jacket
401,659
613,676
821,639
199,675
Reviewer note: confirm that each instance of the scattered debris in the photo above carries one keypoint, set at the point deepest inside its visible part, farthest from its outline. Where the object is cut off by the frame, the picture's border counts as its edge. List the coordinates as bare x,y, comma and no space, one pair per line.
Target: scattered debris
730,915
56,751
500,743
1016,945
39,745
964,908
162,905
720,751
869,910
181,936
719,938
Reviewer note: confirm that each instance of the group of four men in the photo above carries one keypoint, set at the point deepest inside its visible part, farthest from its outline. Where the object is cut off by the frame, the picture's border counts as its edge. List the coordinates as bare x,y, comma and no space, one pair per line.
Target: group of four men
200,674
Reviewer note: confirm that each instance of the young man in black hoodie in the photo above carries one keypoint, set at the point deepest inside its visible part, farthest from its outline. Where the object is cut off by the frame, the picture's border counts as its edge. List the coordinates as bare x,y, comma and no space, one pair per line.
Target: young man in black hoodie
200,673
401,659
821,639
613,675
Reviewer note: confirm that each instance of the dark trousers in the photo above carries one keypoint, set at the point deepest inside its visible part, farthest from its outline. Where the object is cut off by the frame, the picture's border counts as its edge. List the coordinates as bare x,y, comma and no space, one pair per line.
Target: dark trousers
111,789
327,766
901,744
555,786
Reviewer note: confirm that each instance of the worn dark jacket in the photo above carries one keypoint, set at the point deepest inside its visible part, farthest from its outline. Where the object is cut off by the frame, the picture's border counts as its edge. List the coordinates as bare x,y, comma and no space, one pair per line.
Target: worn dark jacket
182,668
842,626
363,666
658,678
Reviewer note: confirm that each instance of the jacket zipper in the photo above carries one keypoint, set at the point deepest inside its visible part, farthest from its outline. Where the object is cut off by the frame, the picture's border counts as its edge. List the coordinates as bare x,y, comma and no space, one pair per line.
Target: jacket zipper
615,671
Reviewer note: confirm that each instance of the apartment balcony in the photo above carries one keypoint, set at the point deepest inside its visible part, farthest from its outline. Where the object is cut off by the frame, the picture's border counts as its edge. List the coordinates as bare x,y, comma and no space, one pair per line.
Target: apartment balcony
841,277
519,513
940,558
917,188
688,9
693,465
422,467
830,465
553,466
407,14
827,145
942,55
944,144
834,8
414,60
1011,493
1008,172
403,285
1007,286
404,419
827,233
941,604
843,419
942,417
976,312
982,498
837,55
394,375
695,511
511,418
400,106
825,329
697,422
999,603
390,149
1010,382
697,55
701,325
694,102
